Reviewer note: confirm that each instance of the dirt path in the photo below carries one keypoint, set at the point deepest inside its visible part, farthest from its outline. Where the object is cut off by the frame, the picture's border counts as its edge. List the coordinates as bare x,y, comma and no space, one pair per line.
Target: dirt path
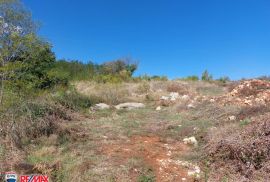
156,154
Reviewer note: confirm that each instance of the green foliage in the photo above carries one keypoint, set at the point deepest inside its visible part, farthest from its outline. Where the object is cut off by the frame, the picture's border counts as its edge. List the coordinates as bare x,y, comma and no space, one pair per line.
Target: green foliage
73,100
26,60
245,122
109,72
224,79
146,77
30,68
75,70
206,76
191,78
145,178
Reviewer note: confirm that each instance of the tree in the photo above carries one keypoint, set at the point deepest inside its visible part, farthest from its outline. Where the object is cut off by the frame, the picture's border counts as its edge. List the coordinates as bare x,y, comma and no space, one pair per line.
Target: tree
15,22
25,58
206,76
118,66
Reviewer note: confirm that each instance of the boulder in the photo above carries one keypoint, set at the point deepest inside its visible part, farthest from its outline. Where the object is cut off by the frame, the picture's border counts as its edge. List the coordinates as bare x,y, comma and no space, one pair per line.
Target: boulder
164,98
101,106
130,105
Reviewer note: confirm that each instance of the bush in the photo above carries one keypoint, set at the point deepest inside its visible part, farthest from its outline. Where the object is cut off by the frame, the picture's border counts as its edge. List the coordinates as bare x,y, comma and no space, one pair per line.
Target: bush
144,87
113,93
244,152
73,100
206,76
177,87
224,79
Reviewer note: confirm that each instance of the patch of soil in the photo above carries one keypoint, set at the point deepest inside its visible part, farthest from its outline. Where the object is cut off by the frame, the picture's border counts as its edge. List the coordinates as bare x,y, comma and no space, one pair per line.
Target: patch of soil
156,154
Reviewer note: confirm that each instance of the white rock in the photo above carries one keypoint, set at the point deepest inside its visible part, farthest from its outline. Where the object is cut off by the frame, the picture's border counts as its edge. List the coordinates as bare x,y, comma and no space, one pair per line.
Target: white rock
190,106
158,108
174,95
164,98
172,99
232,118
184,179
191,141
212,100
185,97
102,106
130,105
195,172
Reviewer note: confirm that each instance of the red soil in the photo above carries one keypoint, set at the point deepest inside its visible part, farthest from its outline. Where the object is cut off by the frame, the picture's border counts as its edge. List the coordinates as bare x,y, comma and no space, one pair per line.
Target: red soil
156,154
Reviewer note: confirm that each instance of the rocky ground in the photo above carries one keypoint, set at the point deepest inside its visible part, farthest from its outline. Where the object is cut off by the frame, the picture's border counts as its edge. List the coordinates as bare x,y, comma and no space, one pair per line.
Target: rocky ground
161,131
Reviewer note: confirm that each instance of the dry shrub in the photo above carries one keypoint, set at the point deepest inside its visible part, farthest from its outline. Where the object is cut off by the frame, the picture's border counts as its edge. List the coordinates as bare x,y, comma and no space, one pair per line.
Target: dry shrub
250,111
244,153
109,93
31,120
165,103
177,87
143,88
113,94
182,106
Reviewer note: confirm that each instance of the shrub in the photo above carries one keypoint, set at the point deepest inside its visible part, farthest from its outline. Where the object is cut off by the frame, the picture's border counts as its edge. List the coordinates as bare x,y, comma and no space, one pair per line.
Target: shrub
144,87
242,152
113,93
176,87
73,100
224,79
206,76
191,78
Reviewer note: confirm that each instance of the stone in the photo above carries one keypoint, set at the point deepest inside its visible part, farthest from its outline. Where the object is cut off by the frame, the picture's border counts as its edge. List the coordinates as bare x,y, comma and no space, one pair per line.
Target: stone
158,108
101,106
195,172
185,97
174,95
164,98
190,106
130,105
232,118
191,141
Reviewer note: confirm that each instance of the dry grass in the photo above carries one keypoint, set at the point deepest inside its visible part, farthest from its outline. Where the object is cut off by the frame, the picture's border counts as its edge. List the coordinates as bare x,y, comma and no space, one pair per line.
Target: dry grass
73,150
242,149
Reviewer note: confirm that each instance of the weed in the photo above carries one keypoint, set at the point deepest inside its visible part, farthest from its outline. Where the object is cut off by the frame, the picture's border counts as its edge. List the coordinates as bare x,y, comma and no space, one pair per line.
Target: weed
244,122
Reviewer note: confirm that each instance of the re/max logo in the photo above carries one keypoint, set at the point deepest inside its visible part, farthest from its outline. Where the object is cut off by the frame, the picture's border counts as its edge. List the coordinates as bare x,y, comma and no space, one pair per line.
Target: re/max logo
34,178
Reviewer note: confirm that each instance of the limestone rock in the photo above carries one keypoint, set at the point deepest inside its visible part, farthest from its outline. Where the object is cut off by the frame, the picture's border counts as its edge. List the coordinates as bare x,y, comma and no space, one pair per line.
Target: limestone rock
130,105
191,141
101,106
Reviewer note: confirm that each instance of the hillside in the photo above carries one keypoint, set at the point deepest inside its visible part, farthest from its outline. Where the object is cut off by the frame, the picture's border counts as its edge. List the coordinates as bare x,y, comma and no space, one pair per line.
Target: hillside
107,121
182,131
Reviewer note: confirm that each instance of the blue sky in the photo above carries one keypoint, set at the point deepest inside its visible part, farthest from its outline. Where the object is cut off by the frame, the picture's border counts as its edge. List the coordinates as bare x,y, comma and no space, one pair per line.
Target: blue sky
168,37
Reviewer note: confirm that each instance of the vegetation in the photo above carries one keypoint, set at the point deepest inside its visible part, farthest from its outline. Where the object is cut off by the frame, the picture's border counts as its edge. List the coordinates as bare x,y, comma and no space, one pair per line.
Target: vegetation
206,76
49,123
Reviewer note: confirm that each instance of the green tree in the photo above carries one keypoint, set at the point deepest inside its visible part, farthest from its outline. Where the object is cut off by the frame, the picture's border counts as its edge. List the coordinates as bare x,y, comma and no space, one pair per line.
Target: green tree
25,58
15,22
206,76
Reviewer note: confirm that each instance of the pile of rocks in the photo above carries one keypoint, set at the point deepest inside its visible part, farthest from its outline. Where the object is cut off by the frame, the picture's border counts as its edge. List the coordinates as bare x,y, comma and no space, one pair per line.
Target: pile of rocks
174,96
250,92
